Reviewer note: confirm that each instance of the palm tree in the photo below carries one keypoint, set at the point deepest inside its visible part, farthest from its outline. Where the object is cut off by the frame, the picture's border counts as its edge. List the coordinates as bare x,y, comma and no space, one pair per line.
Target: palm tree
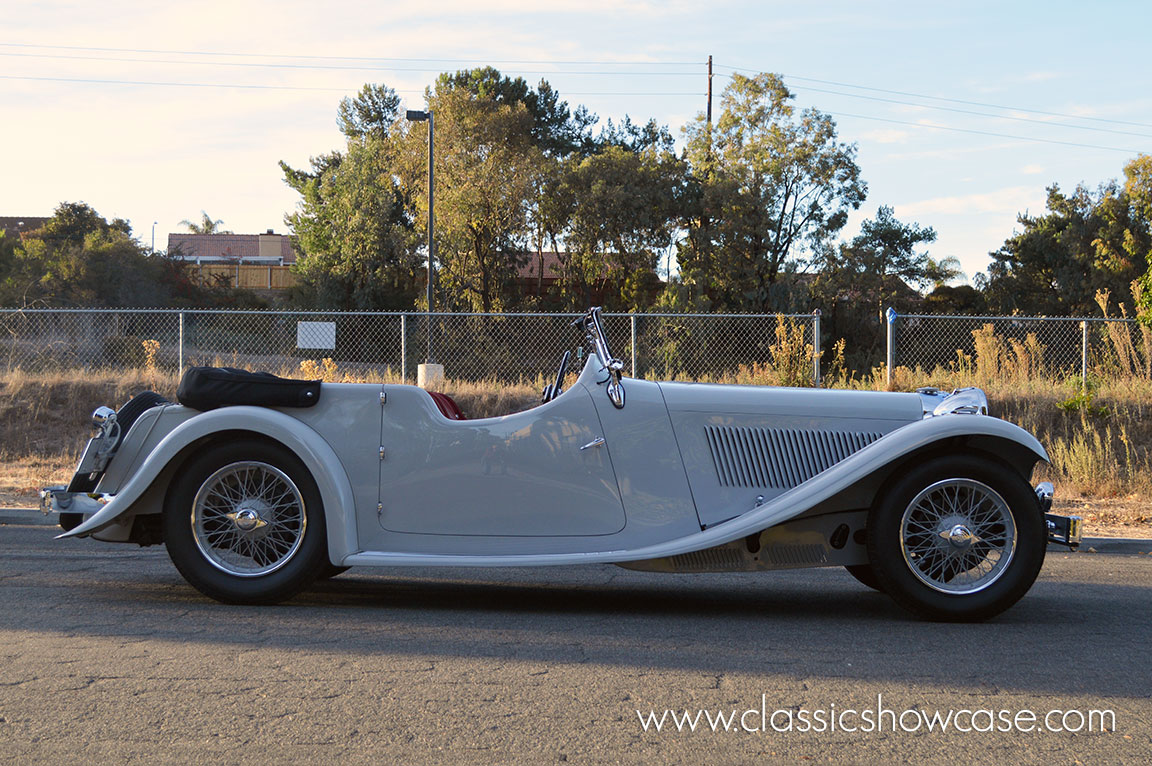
206,225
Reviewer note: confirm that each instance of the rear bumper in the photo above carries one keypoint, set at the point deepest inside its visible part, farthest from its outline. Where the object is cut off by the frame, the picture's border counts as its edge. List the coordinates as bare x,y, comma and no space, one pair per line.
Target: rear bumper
60,500
1062,530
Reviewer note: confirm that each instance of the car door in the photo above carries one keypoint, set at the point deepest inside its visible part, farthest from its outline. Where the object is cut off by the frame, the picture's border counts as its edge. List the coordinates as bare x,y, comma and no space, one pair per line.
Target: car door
544,472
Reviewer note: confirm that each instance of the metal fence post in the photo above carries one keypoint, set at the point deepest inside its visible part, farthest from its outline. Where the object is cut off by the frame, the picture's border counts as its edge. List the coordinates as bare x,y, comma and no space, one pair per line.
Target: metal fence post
1084,354
632,323
180,352
404,348
890,358
816,348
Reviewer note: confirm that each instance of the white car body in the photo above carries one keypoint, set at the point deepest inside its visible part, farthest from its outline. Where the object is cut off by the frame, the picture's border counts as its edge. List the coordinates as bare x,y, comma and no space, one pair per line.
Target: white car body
682,477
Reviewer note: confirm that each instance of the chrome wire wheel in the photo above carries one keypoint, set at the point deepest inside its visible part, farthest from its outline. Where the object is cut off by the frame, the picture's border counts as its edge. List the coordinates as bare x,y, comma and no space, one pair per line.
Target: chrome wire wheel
958,536
248,519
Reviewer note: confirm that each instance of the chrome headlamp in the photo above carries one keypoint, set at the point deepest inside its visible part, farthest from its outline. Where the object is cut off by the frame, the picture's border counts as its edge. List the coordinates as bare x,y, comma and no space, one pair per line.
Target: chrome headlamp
103,418
968,401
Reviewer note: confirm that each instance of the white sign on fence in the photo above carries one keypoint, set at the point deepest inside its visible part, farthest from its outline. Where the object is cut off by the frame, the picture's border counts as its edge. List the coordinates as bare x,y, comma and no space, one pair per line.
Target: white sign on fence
316,335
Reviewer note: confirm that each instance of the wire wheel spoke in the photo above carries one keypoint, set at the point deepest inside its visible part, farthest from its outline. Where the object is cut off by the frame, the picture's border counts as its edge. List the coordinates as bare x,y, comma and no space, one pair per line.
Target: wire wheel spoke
958,536
248,519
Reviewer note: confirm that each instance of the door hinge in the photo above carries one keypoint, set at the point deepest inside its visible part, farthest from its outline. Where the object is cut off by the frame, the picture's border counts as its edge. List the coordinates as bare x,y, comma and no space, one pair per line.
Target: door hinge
383,396
379,509
381,452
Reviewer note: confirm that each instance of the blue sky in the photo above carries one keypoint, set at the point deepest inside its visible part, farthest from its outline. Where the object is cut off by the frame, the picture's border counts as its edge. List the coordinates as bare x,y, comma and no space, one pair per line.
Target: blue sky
1070,74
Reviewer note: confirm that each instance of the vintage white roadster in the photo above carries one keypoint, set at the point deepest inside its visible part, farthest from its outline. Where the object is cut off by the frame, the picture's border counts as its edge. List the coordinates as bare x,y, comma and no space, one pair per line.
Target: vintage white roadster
921,495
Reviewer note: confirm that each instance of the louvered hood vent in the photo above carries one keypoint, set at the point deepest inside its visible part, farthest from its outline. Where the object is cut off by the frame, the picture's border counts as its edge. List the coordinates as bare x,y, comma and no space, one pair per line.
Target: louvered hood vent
775,457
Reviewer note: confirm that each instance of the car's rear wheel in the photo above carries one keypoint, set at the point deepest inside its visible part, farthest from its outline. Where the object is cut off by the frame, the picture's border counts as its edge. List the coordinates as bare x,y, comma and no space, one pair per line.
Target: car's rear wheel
244,523
959,538
329,570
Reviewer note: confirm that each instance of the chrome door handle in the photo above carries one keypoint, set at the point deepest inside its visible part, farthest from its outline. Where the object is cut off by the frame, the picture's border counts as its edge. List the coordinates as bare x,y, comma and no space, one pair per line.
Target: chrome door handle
597,442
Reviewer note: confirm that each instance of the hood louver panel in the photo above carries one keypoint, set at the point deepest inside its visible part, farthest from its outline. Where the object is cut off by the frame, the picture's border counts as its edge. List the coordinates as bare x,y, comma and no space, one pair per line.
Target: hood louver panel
778,458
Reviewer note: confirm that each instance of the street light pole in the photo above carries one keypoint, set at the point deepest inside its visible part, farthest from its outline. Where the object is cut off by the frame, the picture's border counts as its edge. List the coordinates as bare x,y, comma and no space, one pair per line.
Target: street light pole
416,115
431,228
154,237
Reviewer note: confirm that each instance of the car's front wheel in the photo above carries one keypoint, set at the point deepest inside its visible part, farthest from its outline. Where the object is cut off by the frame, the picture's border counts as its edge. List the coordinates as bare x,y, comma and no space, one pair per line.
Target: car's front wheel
244,523
959,538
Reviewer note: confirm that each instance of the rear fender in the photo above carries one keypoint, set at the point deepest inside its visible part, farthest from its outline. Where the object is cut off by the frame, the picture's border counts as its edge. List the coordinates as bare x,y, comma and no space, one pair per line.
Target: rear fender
316,454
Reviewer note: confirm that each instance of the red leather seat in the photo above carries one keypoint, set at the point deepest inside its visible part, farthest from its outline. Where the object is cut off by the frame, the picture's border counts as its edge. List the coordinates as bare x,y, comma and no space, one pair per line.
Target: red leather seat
448,408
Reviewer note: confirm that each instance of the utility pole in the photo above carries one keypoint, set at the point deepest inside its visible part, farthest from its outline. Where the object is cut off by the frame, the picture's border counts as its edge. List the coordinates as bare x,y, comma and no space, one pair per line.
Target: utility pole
709,89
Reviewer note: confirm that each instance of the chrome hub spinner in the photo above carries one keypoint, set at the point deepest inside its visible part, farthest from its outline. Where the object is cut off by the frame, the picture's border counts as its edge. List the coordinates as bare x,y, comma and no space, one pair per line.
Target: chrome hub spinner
960,536
246,519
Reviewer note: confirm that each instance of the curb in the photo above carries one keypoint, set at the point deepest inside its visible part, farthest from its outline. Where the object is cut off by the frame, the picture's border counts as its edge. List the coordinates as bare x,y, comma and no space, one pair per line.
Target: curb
31,517
1123,545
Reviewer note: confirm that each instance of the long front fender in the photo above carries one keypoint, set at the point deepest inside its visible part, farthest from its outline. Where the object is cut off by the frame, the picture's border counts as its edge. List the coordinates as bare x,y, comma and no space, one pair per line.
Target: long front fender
316,454
859,466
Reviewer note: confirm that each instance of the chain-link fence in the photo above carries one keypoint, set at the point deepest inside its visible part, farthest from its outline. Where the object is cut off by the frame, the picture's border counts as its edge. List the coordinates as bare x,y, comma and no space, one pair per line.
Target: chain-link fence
1017,347
511,347
506,347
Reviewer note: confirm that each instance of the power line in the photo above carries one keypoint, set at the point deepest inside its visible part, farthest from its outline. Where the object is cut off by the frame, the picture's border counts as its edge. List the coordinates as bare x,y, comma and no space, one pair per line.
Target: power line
351,58
950,100
177,84
978,114
261,65
986,133
293,87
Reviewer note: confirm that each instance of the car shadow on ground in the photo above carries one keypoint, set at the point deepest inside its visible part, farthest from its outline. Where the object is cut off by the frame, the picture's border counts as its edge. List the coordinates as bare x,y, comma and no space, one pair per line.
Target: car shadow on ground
1063,637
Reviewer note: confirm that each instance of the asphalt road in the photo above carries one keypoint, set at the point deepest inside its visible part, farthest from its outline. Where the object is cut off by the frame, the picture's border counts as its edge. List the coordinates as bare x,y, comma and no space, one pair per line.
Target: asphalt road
106,655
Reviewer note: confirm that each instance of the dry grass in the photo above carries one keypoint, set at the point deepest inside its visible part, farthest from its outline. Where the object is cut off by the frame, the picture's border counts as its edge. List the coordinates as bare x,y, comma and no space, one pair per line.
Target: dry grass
43,422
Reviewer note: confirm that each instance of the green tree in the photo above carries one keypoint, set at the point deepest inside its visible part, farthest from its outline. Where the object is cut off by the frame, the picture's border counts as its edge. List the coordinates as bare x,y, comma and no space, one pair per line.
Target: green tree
373,111
78,258
623,218
884,265
206,225
488,167
1086,242
882,262
962,299
11,284
358,248
556,130
1138,187
556,135
769,185
635,137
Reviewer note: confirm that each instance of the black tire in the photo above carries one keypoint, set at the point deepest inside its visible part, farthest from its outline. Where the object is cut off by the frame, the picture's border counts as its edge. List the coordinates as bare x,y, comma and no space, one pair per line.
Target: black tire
865,575
244,523
131,411
330,570
128,414
957,539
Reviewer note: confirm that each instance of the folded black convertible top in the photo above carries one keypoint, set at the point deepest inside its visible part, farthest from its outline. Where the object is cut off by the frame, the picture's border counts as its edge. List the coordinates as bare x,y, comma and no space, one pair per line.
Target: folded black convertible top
206,388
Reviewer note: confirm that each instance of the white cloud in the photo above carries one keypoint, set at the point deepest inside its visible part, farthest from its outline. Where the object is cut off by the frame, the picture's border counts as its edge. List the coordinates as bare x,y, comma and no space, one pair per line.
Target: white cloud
1010,201
951,151
1032,170
886,136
